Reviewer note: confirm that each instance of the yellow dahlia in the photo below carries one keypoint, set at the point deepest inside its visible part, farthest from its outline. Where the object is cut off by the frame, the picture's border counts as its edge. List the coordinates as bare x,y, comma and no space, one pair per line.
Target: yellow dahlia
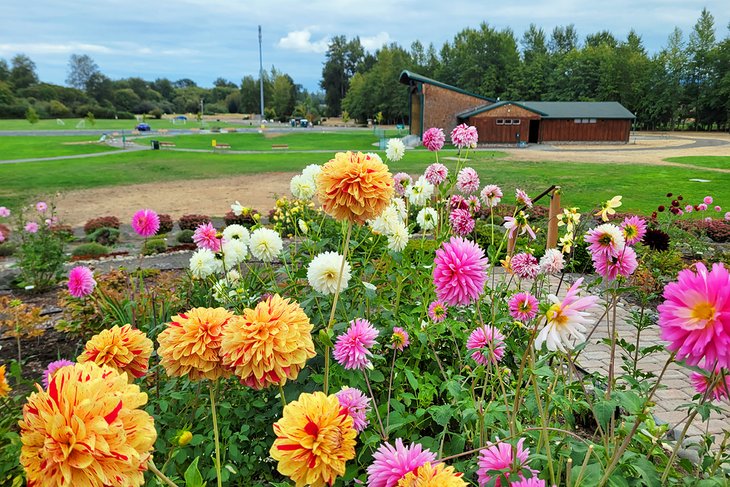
428,475
268,344
355,187
190,344
124,349
87,430
314,440
4,386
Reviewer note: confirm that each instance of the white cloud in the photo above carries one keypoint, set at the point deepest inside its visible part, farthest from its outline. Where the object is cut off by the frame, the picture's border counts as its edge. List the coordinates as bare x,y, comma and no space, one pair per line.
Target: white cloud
40,48
375,42
301,41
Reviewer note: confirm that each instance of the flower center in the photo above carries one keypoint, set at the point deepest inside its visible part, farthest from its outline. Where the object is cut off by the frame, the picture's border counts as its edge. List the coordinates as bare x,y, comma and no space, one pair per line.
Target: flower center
605,239
555,315
703,312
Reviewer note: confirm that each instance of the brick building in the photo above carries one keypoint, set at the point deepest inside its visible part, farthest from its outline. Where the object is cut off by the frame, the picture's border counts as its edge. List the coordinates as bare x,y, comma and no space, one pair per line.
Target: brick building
436,104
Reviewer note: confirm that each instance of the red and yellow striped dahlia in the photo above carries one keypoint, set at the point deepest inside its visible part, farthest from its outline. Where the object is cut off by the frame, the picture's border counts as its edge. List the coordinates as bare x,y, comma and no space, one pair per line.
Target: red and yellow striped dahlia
314,440
191,342
4,386
428,475
355,187
268,344
124,349
86,430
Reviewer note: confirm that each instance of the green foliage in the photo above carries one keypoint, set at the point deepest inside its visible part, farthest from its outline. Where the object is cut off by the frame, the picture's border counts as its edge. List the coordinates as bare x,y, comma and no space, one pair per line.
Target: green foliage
91,250
154,246
31,115
41,257
185,236
104,236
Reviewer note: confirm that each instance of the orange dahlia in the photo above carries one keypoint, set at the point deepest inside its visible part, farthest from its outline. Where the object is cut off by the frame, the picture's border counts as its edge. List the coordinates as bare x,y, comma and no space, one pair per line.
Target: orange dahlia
191,342
4,386
428,475
86,430
314,440
268,344
124,349
355,187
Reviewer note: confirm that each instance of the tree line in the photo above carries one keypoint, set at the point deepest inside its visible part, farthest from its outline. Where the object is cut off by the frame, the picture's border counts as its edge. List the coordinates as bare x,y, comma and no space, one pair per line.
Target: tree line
684,85
88,90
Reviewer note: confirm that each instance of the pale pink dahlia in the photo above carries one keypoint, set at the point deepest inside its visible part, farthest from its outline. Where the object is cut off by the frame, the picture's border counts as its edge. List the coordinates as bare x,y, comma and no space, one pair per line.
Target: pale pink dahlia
457,202
496,459
552,262
720,391
464,136
81,282
206,237
467,181
146,223
31,227
695,316
531,482
436,173
491,195
707,200
487,343
390,464
702,206
524,265
352,348
718,208
474,205
41,207
611,266
460,271
400,339
52,368
437,311
634,229
356,405
523,306
688,208
4,212
400,182
433,140
462,222
605,239
522,198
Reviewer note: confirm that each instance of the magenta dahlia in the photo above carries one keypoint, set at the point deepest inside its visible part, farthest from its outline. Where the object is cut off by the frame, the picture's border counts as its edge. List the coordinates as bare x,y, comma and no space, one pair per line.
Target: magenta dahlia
433,139
436,173
356,405
524,265
390,464
611,266
146,222
496,459
487,343
81,282
437,311
462,223
523,306
352,348
460,271
206,237
467,181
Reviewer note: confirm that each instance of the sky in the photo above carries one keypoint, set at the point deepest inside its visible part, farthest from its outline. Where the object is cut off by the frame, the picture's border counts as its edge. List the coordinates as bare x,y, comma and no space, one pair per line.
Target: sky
206,39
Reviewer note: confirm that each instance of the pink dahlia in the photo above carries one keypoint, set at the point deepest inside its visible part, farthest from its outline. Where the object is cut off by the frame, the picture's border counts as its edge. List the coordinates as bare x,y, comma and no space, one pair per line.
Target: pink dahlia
707,200
552,262
206,237
524,265
400,339
457,202
474,205
52,368
720,391
146,223
464,136
688,209
718,208
634,229
437,311
487,343
491,195
2,236
436,173
41,207
400,182
356,405
460,271
727,216
611,266
433,140
390,464
522,198
605,239
31,227
467,181
695,316
462,222
701,207
81,282
498,459
4,212
352,348
531,482
518,223
523,306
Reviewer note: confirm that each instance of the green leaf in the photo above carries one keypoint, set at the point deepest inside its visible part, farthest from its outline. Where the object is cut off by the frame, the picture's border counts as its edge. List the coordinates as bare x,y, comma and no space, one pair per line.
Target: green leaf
325,338
630,401
441,414
376,376
604,411
193,478
412,379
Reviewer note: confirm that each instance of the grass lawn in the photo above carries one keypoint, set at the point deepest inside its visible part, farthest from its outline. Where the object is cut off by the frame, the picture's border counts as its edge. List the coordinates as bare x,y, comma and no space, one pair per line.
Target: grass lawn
21,147
70,124
585,185
703,161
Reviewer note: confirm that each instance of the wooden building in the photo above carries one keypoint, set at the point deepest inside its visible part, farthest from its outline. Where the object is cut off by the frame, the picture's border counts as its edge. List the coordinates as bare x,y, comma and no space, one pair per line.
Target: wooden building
435,104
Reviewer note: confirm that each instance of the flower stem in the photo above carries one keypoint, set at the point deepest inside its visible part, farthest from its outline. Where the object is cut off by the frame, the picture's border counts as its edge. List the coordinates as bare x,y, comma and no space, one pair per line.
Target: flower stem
215,434
281,395
383,434
163,478
390,390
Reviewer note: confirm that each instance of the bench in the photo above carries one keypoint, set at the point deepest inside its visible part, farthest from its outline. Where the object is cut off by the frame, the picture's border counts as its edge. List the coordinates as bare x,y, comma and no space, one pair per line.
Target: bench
280,147
222,146
166,144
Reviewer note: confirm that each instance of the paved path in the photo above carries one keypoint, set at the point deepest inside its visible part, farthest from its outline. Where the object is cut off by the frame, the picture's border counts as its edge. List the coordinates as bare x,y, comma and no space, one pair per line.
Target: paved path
130,147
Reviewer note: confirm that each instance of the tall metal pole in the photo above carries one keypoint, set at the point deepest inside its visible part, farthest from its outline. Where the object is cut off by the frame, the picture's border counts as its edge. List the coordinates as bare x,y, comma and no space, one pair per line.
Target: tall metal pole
261,75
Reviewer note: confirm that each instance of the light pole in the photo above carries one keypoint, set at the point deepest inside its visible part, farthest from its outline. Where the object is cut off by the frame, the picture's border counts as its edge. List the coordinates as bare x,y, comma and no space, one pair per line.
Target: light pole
261,75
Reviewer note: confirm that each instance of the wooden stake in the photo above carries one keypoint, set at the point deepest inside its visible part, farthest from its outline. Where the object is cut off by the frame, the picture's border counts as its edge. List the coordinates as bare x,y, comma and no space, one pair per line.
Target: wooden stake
552,233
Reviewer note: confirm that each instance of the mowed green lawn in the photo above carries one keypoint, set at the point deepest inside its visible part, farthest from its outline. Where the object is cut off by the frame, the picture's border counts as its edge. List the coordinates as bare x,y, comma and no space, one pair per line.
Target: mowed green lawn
26,147
73,124
585,185
703,161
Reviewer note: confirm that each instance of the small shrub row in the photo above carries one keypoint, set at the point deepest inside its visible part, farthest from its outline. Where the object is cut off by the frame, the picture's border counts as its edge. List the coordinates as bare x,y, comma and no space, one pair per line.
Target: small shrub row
166,223
101,222
191,222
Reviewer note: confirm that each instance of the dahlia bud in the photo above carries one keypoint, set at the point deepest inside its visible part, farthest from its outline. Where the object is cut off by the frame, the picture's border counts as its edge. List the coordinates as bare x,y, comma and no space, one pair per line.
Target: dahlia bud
184,438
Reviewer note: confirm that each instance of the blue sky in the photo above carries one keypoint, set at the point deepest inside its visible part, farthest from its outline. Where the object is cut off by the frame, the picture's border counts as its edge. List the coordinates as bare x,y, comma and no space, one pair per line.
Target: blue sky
204,39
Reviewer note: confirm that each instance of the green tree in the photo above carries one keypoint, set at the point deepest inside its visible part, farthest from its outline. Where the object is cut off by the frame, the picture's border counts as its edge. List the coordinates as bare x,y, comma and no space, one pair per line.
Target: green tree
249,95
100,87
22,72
126,99
80,70
4,70
701,51
31,115
344,58
283,96
534,70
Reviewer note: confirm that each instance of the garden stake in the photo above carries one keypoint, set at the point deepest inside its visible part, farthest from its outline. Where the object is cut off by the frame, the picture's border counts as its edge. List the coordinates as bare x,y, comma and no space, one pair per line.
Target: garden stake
213,387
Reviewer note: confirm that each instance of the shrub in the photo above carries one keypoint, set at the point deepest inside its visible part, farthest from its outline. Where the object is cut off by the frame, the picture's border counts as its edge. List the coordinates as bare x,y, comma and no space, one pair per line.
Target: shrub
154,246
716,230
102,222
185,236
248,218
41,257
92,250
166,223
7,249
104,236
191,222
66,232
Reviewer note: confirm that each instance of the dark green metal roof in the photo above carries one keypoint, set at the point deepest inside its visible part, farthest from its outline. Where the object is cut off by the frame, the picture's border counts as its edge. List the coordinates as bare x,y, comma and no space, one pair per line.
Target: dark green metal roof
579,109
485,108
406,77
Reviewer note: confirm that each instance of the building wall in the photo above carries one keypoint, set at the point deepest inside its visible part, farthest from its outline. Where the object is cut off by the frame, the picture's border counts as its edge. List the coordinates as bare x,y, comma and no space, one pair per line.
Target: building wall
604,130
492,132
416,111
442,105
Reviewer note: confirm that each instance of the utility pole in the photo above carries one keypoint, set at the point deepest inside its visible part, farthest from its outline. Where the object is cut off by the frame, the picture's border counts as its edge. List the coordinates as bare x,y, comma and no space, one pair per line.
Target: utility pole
201,112
261,75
